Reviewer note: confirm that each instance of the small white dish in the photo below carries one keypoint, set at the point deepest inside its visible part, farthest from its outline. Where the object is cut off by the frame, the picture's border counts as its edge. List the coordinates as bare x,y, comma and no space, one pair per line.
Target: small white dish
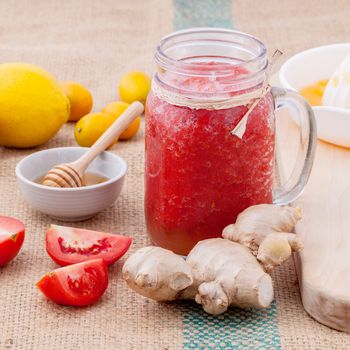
70,204
306,68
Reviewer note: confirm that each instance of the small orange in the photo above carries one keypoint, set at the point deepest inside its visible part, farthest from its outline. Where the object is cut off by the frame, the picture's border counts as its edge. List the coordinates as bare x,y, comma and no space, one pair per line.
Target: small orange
134,86
89,128
79,97
115,109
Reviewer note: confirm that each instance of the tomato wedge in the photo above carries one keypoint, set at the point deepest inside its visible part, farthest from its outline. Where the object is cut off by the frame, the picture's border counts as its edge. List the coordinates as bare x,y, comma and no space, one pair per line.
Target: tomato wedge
68,245
11,238
76,285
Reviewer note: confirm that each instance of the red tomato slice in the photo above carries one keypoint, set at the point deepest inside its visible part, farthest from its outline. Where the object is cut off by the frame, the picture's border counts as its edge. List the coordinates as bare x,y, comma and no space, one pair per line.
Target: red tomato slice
11,238
68,245
76,285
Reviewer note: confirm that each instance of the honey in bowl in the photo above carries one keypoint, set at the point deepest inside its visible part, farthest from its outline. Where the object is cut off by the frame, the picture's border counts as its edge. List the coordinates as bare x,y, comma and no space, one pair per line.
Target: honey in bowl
314,93
89,179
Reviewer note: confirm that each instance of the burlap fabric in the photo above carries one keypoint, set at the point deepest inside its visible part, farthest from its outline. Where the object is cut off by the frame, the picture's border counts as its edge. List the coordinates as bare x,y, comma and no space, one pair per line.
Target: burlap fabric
94,43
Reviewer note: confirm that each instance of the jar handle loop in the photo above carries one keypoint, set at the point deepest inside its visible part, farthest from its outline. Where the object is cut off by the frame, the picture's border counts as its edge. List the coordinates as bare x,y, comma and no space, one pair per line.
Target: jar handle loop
291,187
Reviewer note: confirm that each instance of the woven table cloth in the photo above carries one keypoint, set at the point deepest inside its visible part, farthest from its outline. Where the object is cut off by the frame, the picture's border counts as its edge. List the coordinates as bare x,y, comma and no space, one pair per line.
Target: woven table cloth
95,42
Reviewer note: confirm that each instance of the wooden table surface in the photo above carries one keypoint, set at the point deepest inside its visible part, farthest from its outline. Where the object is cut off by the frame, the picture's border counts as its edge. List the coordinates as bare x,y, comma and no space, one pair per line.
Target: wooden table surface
324,264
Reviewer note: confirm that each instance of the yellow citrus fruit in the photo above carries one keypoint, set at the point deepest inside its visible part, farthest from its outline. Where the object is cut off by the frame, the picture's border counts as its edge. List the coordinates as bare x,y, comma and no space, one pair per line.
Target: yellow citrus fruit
134,86
89,128
33,106
115,109
80,99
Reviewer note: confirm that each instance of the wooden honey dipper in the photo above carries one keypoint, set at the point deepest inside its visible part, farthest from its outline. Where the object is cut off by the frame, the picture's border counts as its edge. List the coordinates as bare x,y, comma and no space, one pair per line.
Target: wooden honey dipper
71,174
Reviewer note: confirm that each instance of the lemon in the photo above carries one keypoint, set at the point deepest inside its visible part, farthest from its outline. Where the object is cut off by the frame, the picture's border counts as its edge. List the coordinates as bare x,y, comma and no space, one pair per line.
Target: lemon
89,128
115,109
80,99
33,106
134,86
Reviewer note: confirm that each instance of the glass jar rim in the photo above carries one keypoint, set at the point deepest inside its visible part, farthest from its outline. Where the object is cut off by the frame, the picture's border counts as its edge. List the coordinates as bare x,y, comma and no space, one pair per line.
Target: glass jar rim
211,68
166,62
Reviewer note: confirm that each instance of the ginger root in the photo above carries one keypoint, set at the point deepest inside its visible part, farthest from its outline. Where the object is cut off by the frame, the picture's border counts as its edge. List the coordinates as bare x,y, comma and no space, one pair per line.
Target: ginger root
266,230
226,273
157,273
221,272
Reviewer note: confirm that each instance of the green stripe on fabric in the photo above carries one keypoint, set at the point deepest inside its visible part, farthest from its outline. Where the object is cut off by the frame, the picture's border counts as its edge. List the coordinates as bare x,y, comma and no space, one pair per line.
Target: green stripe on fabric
237,329
202,13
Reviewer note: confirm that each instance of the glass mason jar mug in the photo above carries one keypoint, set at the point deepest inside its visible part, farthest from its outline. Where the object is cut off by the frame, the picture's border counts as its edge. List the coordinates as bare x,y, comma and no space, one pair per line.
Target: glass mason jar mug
198,174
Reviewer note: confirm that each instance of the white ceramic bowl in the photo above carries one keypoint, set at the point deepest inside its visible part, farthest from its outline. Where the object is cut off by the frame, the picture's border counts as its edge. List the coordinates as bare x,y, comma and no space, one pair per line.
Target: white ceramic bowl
306,68
70,204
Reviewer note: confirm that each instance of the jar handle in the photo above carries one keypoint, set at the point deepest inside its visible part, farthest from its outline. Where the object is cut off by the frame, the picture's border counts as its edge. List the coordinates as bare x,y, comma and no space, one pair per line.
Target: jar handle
290,188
